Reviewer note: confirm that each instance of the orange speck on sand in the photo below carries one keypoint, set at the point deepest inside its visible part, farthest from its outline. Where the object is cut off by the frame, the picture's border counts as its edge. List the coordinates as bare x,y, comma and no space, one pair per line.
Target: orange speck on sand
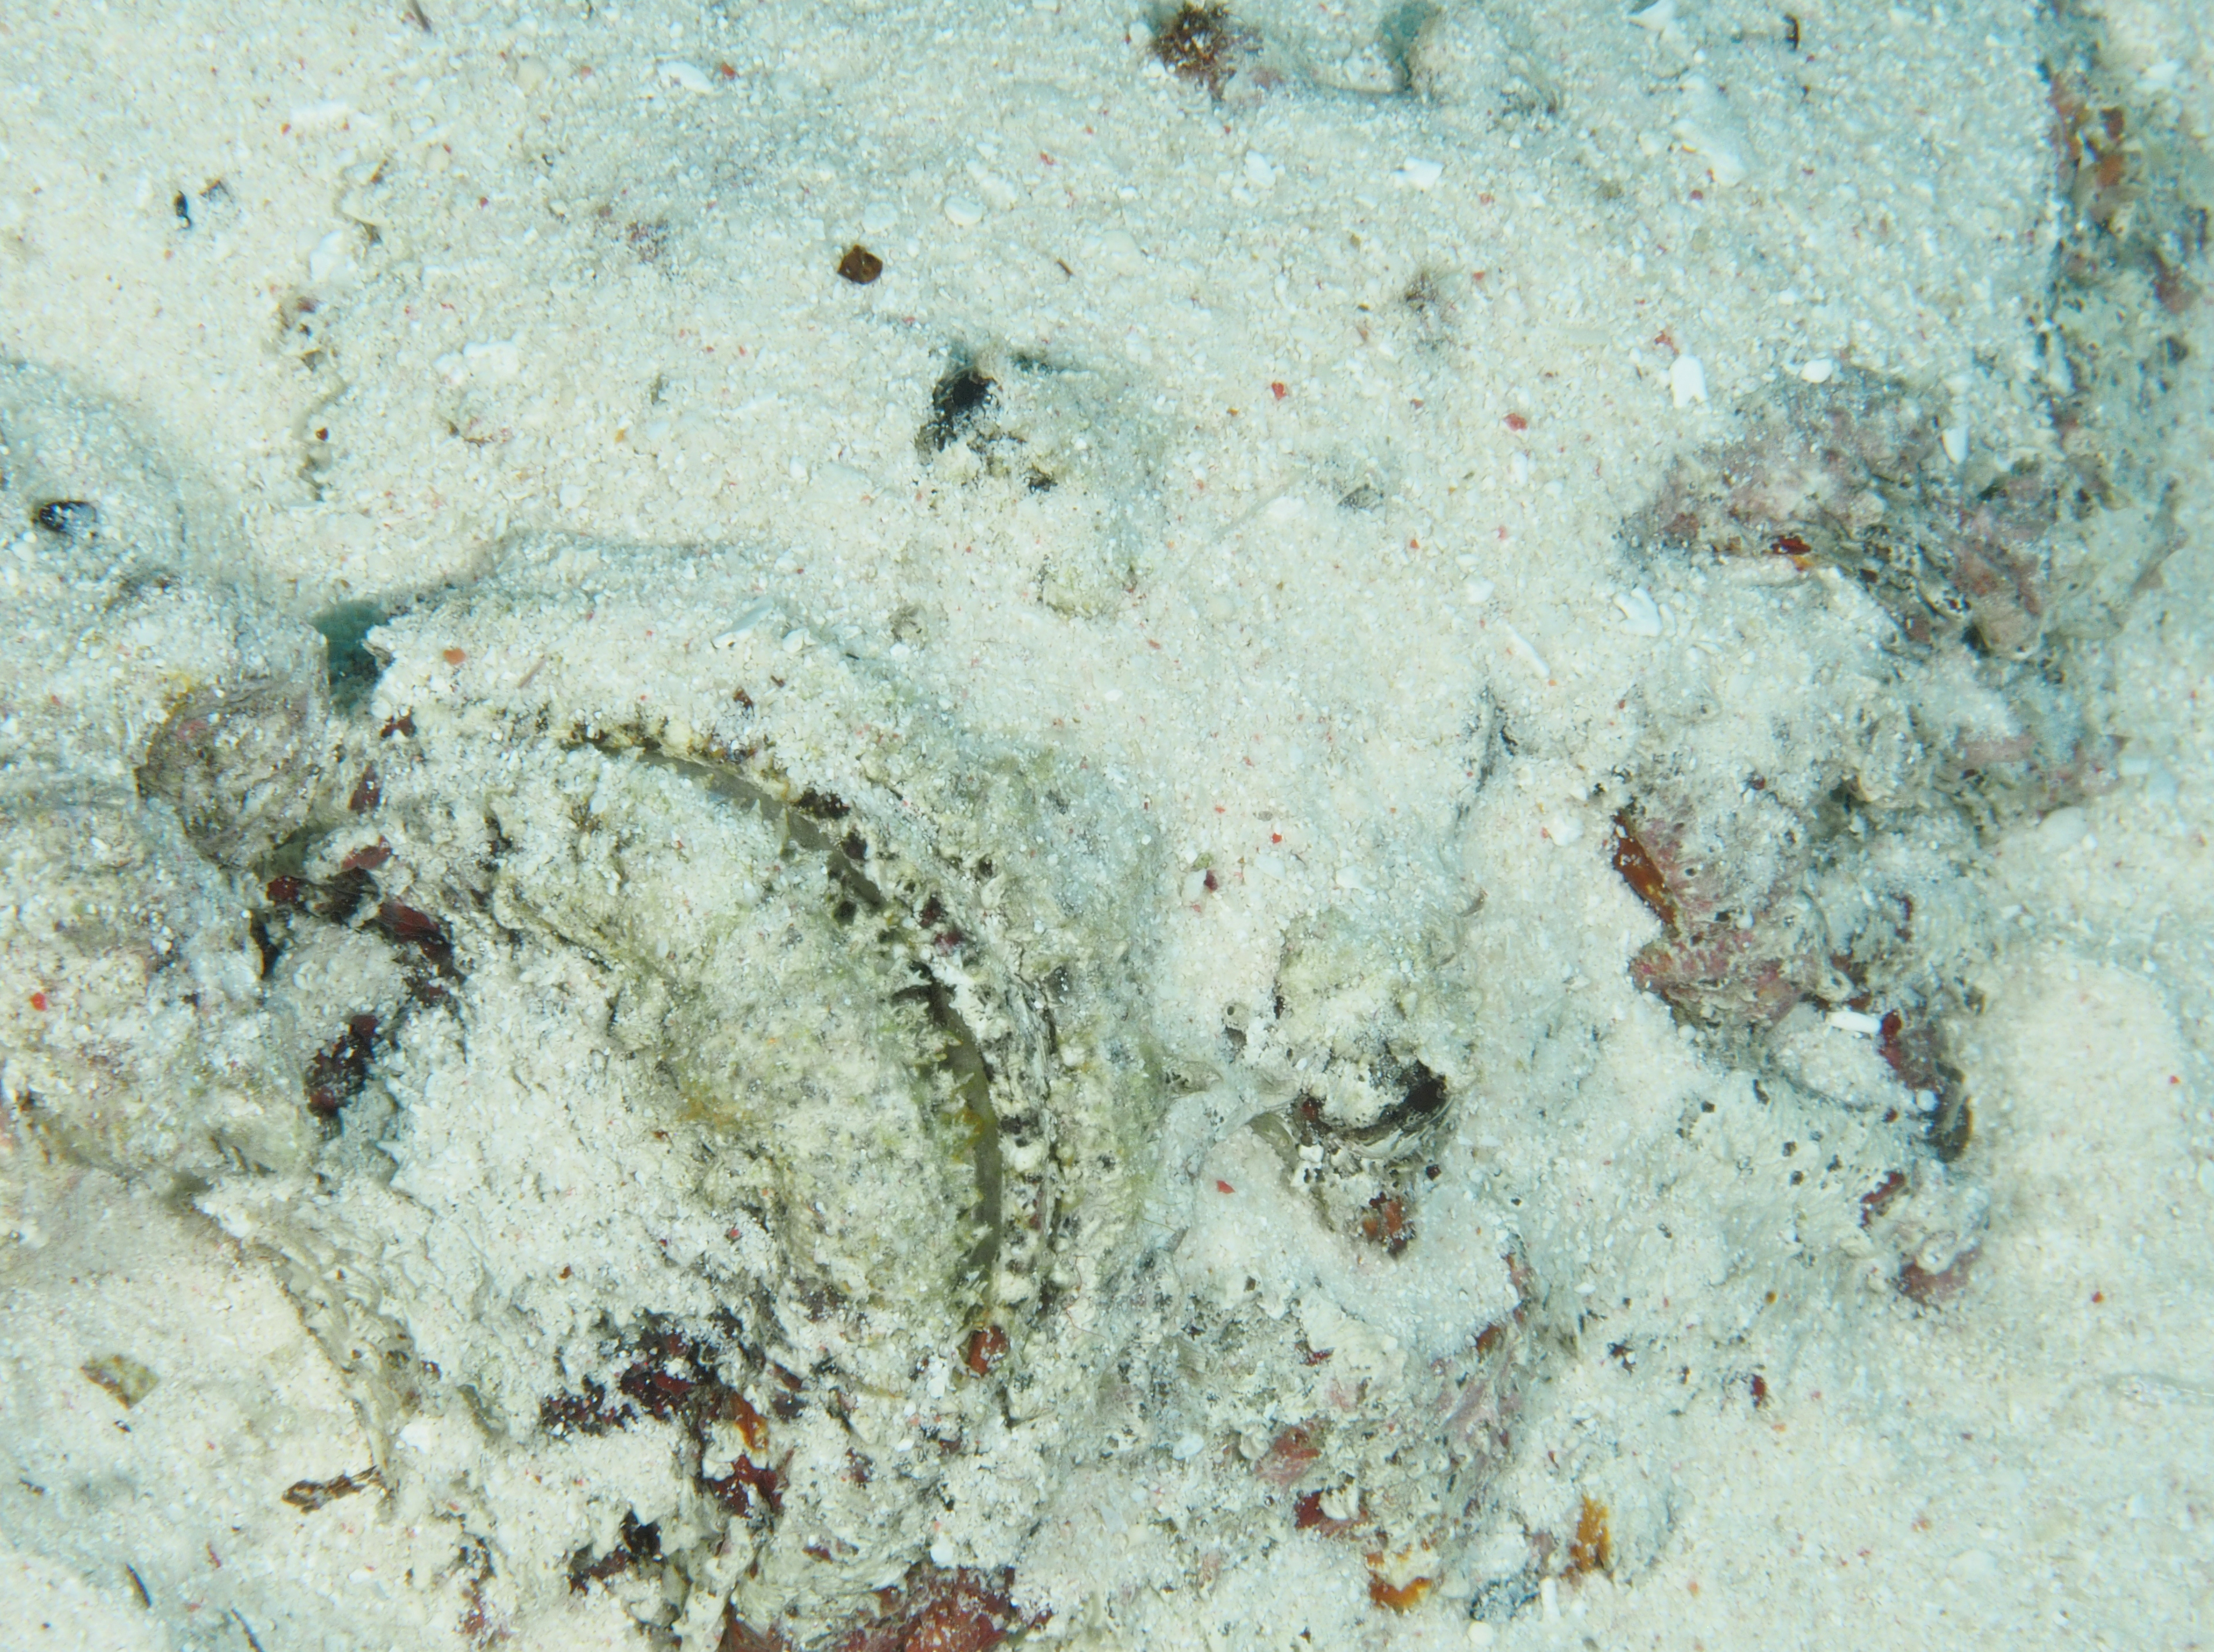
39,1002
1594,1545
452,657
1400,1597
1221,1186
751,1426
1405,1597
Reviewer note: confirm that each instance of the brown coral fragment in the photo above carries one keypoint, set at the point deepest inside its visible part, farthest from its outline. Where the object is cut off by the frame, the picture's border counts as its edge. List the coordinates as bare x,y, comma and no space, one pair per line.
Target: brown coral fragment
586,1412
2095,169
735,1408
1638,869
669,1376
411,927
739,1635
1879,1198
749,1488
638,1545
988,1346
1709,965
1385,1224
1910,1049
340,1070
1853,473
1309,1515
940,1610
1290,1455
1918,1285
859,265
1915,1054
1201,43
1734,974
120,1377
308,1495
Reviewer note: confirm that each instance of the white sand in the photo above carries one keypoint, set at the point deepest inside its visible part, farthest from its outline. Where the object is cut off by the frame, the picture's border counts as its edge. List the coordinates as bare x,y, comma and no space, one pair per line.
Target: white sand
1354,402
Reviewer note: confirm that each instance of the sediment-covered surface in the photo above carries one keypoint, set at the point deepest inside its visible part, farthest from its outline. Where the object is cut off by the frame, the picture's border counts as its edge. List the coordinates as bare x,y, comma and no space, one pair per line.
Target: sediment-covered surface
856,826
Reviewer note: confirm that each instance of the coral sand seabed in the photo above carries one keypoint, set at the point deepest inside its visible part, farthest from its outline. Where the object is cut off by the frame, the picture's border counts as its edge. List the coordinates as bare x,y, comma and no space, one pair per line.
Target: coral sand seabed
1332,833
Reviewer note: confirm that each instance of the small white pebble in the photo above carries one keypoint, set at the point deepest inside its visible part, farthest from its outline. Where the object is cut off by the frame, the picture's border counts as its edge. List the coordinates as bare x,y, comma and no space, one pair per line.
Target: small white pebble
1187,1447
1418,174
1974,1565
1708,129
1565,830
319,117
963,211
1819,371
2063,828
993,188
795,641
329,256
494,359
1259,169
1641,614
1119,250
677,72
1519,643
1687,381
753,613
1477,593
1854,1021
1955,439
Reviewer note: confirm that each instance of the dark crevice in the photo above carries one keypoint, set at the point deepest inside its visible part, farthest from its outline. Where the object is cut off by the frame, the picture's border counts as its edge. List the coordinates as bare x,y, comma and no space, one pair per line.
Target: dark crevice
353,669
958,400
